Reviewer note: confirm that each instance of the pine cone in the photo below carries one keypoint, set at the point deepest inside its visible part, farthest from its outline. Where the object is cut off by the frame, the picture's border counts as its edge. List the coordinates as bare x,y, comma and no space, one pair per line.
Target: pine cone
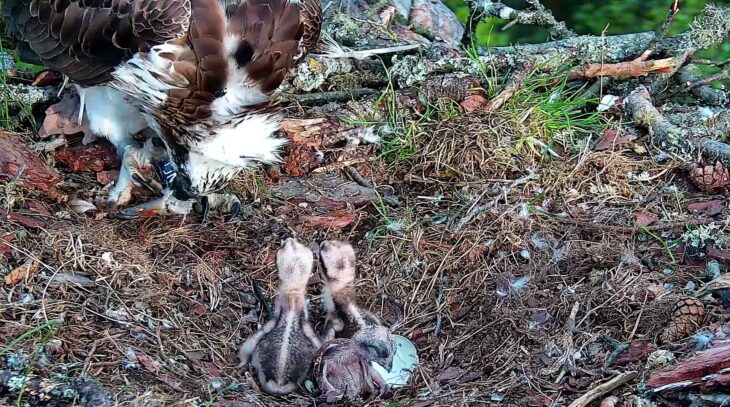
688,315
711,179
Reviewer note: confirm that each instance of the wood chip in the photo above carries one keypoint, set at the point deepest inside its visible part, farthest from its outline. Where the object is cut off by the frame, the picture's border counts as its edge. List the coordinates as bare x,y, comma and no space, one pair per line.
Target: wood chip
17,161
709,208
93,157
27,270
26,221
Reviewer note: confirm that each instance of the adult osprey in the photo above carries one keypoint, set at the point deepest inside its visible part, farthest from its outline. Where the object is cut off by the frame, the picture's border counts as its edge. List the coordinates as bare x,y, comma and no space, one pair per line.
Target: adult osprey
200,73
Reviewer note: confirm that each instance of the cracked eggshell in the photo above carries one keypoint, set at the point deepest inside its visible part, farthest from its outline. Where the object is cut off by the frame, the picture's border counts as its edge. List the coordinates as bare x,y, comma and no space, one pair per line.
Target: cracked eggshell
404,363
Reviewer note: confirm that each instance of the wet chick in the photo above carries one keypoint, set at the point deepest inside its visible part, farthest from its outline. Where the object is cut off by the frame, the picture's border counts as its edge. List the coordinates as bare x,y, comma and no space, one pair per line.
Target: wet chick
344,316
342,366
282,351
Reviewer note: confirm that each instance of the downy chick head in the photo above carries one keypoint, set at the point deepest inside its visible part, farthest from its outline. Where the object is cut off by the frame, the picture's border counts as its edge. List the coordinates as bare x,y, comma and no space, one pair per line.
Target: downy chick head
294,261
377,345
344,316
338,263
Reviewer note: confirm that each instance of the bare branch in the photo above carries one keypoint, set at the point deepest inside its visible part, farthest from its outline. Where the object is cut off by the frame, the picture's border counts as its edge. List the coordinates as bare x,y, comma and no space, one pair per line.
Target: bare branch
699,87
664,30
600,391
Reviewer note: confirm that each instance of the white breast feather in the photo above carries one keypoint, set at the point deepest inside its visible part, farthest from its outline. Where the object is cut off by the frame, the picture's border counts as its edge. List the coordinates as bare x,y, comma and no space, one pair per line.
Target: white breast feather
251,139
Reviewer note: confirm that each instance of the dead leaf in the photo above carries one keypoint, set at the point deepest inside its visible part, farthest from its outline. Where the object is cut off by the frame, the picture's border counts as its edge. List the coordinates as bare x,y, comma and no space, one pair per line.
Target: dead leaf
212,369
474,103
150,364
331,221
81,206
709,208
637,352
62,118
47,78
449,375
199,310
93,157
717,254
38,208
611,139
645,219
27,270
22,219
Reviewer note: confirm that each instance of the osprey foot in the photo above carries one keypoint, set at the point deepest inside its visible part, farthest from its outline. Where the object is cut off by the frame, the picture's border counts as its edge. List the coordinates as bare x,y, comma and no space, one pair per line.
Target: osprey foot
227,204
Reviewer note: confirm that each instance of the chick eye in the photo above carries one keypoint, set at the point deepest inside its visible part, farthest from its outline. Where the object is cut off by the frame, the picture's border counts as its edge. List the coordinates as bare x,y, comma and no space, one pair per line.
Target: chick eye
378,351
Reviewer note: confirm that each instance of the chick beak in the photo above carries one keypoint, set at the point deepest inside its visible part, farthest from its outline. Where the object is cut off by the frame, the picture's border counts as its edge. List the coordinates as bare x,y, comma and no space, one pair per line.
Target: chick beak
388,364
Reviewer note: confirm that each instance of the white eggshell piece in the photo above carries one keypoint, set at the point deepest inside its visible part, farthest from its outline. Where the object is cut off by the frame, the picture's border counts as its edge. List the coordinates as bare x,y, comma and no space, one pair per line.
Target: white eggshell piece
404,363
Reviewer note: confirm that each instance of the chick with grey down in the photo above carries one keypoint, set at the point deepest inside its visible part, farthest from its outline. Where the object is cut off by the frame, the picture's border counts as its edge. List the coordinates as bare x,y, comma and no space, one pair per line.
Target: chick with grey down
344,316
342,367
281,351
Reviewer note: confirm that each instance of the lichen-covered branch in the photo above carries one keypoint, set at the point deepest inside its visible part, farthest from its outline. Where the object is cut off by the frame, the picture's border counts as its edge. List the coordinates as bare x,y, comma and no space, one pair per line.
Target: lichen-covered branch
41,391
682,141
644,114
709,28
539,16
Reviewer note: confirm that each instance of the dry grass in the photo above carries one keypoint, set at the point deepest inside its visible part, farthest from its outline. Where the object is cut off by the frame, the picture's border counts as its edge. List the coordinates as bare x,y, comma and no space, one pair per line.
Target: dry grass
475,266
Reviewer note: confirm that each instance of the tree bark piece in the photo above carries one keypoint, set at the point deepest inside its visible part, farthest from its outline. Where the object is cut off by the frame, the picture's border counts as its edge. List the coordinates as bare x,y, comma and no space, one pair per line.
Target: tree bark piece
17,161
703,368
603,389
623,70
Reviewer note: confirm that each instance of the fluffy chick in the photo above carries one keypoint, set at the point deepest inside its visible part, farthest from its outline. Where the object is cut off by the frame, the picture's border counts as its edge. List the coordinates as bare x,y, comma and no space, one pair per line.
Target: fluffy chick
342,366
282,351
344,316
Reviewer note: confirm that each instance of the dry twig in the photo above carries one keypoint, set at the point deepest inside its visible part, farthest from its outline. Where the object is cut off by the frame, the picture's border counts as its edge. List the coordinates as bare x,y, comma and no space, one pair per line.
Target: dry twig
603,389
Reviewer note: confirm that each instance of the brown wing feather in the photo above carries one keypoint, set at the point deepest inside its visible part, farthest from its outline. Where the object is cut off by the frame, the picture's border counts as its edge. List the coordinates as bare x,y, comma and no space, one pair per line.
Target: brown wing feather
274,35
204,65
86,39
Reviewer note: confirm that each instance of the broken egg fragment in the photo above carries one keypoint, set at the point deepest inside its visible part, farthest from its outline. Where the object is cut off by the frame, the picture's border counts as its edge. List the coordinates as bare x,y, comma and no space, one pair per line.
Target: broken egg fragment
404,363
